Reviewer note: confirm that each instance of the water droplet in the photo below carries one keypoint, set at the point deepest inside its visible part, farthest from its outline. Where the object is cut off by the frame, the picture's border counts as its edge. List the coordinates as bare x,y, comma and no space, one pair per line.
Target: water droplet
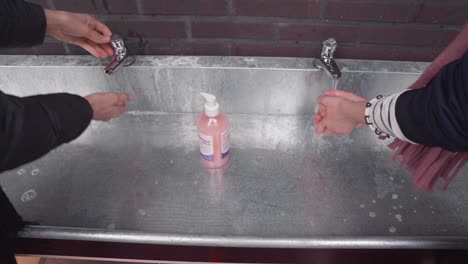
414,211
156,182
28,196
400,206
394,208
344,220
141,212
21,171
282,213
433,212
195,182
399,217
392,229
362,205
35,172
111,226
372,214
394,196
415,198
171,162
374,201
391,178
402,181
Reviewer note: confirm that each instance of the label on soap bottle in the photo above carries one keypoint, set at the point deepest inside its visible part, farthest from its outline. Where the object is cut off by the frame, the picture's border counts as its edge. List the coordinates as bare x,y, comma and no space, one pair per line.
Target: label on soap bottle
206,147
225,143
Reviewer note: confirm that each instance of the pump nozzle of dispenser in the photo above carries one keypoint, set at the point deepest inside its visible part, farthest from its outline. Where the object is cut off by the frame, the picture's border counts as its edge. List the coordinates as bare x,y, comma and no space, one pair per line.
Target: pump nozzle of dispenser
211,105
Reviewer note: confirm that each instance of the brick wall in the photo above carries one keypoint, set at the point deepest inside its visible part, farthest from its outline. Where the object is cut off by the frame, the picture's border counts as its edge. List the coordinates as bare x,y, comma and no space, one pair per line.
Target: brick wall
365,29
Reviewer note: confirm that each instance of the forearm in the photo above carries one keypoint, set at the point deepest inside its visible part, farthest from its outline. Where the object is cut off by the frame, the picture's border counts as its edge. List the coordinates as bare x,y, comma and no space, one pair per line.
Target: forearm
35,125
434,116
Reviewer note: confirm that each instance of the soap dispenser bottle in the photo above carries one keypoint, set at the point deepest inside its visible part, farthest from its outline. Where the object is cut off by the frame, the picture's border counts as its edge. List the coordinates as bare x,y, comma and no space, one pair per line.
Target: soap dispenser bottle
214,134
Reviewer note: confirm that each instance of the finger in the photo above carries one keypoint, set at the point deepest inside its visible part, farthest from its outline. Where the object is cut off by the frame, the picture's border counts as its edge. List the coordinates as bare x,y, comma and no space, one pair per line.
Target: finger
317,119
320,128
85,45
121,98
322,110
97,37
101,28
91,47
117,111
107,48
346,95
320,99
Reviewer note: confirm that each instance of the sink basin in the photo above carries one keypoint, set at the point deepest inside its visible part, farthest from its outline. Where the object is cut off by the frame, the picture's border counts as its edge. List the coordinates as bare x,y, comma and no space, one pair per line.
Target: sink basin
138,179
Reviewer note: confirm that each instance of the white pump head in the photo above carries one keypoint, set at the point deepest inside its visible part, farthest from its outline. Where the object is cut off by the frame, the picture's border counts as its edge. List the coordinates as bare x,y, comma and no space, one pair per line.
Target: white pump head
211,105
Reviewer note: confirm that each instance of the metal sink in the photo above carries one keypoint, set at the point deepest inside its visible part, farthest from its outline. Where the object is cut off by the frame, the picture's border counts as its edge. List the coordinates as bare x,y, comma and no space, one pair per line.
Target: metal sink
138,179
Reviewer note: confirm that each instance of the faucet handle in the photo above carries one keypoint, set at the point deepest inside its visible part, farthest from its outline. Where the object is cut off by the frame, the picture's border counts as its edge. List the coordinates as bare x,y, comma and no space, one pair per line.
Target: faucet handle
121,57
328,49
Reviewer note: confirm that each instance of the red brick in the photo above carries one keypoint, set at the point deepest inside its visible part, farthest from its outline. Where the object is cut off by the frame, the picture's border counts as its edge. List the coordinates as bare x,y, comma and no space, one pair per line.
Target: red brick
232,30
448,37
184,7
277,8
446,13
414,55
120,6
390,12
43,3
318,32
155,29
82,6
273,50
211,49
365,53
386,53
399,36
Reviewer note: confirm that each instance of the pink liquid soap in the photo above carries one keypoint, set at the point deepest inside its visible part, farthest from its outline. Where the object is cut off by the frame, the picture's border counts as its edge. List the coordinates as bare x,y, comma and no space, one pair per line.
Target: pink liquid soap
214,134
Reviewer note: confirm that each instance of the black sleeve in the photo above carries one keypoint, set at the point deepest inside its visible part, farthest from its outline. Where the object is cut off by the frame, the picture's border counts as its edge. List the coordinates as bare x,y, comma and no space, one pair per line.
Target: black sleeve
32,126
437,115
21,24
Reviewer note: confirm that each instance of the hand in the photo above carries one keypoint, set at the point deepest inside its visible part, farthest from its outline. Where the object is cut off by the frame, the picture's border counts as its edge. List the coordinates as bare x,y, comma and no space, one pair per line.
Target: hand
80,29
339,93
108,105
336,118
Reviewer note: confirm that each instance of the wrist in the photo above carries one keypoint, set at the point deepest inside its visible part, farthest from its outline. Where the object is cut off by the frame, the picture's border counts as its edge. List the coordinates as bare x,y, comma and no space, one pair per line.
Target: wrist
355,111
53,20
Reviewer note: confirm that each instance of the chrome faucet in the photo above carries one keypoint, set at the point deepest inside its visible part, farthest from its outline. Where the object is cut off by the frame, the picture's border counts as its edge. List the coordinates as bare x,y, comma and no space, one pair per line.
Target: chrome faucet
121,57
326,61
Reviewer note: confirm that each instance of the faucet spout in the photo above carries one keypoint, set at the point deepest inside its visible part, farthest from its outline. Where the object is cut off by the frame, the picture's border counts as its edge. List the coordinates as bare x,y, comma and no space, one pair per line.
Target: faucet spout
121,57
326,61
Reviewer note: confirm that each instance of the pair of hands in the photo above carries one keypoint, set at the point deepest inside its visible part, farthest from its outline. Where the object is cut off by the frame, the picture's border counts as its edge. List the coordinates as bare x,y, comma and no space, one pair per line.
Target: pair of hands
93,36
339,113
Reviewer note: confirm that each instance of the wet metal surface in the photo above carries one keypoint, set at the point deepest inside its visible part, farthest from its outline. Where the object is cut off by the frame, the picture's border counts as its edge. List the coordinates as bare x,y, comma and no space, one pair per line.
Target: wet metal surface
138,178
